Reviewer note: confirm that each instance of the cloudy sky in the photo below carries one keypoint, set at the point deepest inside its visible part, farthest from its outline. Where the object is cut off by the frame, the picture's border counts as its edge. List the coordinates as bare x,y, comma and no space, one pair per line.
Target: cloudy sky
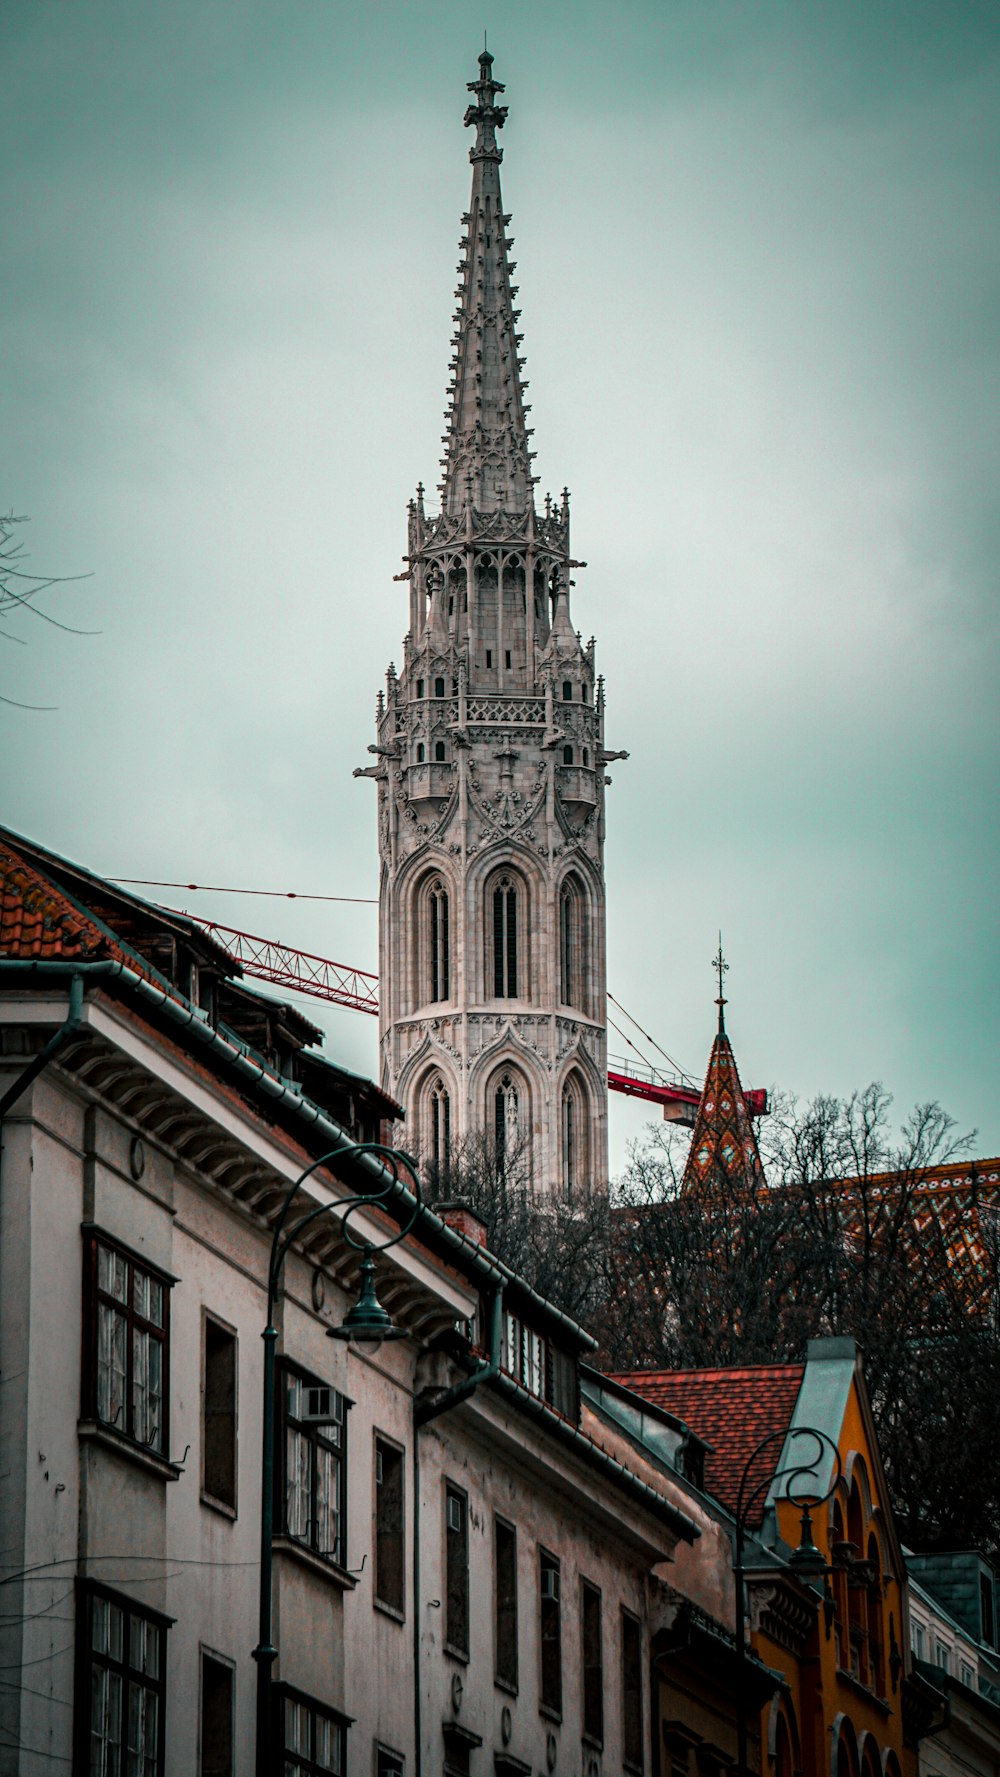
759,257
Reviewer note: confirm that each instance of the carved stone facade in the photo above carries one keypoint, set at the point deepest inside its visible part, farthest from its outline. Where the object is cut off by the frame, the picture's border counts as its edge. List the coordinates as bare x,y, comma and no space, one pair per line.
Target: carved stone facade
490,771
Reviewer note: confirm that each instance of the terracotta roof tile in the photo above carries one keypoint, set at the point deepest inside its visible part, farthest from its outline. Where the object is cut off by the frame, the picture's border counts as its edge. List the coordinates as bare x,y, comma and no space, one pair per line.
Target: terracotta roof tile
38,923
733,1410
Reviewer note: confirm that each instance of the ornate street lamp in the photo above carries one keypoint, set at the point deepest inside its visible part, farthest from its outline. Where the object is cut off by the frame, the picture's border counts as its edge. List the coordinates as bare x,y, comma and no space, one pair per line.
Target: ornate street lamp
807,1560
366,1324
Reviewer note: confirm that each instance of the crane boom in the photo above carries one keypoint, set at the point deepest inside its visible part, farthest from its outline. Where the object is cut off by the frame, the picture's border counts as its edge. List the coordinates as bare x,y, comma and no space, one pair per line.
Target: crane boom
302,971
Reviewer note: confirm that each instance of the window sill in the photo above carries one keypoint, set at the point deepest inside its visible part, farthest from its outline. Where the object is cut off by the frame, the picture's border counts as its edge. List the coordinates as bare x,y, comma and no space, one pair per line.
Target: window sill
456,1653
864,1690
505,1685
337,1576
592,1742
547,1712
388,1610
219,1505
93,1432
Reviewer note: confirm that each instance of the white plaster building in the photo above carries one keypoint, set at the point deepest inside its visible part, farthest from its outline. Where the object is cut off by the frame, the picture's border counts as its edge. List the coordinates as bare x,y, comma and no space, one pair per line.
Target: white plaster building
464,1557
491,769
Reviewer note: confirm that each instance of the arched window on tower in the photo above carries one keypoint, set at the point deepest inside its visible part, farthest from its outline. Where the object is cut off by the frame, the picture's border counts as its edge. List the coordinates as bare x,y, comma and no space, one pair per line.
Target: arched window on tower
572,945
506,1126
505,919
439,751
439,941
574,1136
439,1109
567,755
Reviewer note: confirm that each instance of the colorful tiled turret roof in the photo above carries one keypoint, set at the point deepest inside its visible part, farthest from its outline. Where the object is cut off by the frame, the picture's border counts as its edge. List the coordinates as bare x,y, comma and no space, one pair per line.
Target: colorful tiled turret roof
723,1144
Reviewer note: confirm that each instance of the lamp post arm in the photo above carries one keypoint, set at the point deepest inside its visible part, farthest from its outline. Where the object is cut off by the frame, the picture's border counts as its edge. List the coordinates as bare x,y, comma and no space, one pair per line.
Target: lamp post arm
279,1247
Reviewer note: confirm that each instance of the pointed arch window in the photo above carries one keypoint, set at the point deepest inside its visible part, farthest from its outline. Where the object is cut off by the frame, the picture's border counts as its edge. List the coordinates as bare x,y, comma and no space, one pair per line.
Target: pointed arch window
439,1105
420,752
505,919
567,755
439,751
572,945
506,1106
574,1136
439,941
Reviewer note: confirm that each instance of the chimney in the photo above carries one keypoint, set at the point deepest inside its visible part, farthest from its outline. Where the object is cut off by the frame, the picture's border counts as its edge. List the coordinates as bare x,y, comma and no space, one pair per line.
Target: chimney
464,1221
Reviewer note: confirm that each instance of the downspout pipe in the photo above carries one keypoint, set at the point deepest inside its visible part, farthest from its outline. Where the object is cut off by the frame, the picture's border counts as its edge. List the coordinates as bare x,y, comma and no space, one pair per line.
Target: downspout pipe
422,1415
56,1041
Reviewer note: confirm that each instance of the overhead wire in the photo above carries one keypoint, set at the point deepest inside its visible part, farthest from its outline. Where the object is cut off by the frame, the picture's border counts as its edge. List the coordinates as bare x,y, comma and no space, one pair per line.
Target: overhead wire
218,888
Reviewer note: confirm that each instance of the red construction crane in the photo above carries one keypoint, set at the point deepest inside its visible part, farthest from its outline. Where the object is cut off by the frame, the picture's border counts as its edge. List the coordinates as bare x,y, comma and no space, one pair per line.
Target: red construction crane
302,972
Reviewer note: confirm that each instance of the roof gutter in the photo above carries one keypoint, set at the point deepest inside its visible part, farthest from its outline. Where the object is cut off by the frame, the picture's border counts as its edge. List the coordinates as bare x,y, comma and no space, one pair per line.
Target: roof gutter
683,1527
241,1059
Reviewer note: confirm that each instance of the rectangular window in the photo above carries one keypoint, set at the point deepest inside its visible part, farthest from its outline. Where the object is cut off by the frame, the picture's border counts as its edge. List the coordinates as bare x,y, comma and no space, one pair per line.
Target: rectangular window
456,1535
389,1547
632,1691
505,1604
388,1764
917,1639
592,1662
968,1675
311,1504
126,1367
550,1626
121,1685
216,1717
313,1738
218,1414
507,657
942,1656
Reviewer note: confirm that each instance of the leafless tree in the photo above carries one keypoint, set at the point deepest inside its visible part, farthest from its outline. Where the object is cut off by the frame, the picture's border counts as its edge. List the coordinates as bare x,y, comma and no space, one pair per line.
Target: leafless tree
20,591
557,1245
845,1236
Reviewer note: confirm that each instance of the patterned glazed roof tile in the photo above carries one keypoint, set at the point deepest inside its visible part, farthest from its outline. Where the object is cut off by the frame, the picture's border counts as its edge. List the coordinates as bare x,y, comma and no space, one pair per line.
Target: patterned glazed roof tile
723,1143
732,1410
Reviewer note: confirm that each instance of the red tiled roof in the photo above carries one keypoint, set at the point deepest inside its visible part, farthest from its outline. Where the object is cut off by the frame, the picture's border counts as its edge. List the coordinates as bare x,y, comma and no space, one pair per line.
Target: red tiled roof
733,1410
38,923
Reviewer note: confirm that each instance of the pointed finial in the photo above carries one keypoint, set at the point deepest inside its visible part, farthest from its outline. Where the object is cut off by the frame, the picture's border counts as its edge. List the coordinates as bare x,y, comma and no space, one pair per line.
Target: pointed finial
721,968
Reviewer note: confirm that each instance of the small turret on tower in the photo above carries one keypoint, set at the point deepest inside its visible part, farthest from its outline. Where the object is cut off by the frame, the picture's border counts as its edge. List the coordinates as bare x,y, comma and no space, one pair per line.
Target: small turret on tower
724,1151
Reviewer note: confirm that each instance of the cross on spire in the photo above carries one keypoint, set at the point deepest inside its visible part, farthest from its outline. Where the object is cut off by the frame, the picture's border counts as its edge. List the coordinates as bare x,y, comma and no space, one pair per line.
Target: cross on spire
488,460
721,968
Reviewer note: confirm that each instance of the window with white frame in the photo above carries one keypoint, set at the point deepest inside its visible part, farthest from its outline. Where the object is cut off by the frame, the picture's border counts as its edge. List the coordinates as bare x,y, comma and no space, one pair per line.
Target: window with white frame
313,1737
122,1683
126,1345
311,1505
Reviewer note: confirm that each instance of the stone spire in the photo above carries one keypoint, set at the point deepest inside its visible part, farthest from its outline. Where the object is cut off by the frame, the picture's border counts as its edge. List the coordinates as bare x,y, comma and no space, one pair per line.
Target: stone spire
487,462
724,1147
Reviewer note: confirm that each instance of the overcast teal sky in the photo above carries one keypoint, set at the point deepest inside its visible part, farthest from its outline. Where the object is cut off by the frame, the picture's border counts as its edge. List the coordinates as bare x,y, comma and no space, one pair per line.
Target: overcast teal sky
759,257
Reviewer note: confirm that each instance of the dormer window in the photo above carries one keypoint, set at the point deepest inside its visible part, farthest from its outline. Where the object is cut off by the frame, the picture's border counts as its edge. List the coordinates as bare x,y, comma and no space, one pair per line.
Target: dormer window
543,1368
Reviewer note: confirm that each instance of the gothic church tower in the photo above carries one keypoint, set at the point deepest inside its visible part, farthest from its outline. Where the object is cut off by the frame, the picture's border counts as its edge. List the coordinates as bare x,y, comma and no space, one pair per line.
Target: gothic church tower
490,771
